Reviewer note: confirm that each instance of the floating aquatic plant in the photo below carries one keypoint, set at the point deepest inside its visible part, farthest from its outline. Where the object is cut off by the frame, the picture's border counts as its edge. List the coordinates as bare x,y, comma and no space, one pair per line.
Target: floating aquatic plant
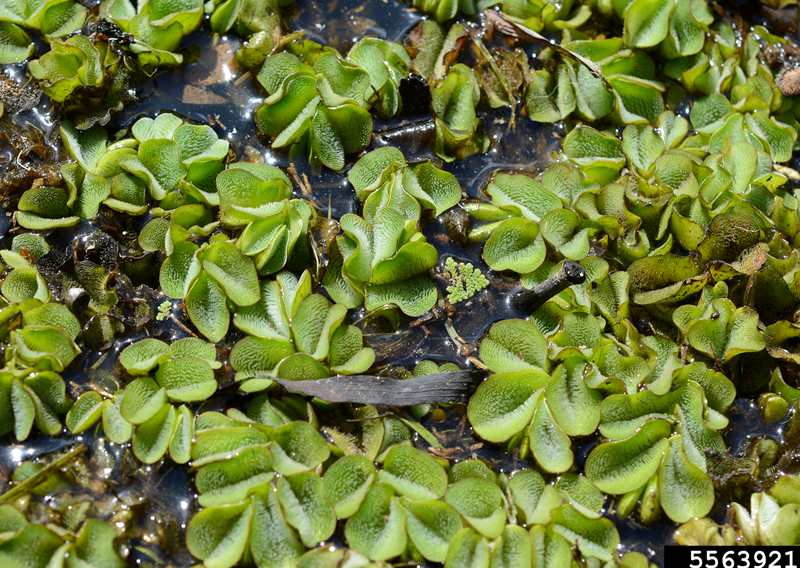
394,273
383,178
685,226
318,102
467,280
295,335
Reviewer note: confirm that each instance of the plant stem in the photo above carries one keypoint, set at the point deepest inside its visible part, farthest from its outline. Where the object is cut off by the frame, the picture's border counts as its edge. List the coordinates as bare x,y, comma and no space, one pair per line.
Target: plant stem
39,476
571,273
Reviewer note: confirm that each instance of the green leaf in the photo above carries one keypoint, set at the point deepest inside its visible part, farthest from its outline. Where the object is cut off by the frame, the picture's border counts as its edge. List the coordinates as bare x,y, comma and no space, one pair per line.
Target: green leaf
87,147
11,520
250,191
574,406
199,143
378,529
685,491
94,190
468,549
85,412
347,354
709,112
514,345
48,393
432,526
367,174
115,427
187,379
719,390
434,188
33,547
647,22
23,408
480,502
779,137
624,414
231,480
662,278
49,348
583,496
143,399
767,523
600,155
266,318
638,100
162,126
595,537
36,245
610,295
300,367
218,535
195,347
458,130
95,545
534,500
414,296
306,507
152,236
23,284
642,147
254,356
179,270
620,467
151,439
503,405
513,549
347,482
141,357
579,335
697,436
672,129
728,235
218,444
551,97
733,331
564,230
686,30
233,271
207,308
413,474
157,164
515,245
522,196
338,131
272,540
297,447
53,314
15,44
549,443
42,208
314,324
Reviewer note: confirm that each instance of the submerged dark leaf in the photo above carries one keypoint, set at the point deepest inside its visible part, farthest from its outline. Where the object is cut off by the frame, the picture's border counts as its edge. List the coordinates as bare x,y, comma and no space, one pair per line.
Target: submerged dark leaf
369,389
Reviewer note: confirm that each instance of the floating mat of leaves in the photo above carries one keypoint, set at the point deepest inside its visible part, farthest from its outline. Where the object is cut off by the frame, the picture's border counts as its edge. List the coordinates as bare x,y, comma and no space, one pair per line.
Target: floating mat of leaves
620,324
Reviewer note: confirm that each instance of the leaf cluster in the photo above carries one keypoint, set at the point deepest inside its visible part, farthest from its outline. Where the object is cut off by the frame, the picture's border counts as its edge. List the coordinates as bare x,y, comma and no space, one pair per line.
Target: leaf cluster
413,503
24,543
319,101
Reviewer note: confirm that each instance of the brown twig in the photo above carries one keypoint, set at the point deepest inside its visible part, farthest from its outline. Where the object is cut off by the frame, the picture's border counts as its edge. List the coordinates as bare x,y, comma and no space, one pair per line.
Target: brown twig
514,29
